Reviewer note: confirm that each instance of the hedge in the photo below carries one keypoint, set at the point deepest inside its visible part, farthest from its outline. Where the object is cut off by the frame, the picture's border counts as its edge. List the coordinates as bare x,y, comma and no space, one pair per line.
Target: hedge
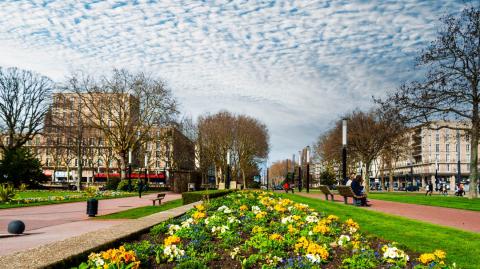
194,196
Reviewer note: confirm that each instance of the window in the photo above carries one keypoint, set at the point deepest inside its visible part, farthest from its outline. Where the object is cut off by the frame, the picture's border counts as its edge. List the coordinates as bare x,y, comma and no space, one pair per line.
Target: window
437,147
437,157
157,154
157,164
47,162
37,140
92,141
447,147
437,137
447,134
467,137
75,162
448,157
448,167
100,141
467,148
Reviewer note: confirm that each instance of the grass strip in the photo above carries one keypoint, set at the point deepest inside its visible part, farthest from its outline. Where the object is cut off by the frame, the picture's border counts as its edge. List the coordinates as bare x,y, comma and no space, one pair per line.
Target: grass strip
139,212
461,246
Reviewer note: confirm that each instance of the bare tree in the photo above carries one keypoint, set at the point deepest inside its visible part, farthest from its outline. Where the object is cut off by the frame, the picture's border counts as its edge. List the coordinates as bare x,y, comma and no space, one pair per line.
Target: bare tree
24,99
450,90
126,107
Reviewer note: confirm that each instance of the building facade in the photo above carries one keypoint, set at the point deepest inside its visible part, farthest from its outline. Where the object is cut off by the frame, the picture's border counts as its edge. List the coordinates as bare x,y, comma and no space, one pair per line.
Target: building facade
68,138
440,155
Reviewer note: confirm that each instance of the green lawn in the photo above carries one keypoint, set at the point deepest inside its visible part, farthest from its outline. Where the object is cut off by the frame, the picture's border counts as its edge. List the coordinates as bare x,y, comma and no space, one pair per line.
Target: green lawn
139,212
420,199
434,200
462,247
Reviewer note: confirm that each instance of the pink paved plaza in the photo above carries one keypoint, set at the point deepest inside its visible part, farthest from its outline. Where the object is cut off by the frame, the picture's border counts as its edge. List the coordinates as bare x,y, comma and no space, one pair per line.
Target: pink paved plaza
50,223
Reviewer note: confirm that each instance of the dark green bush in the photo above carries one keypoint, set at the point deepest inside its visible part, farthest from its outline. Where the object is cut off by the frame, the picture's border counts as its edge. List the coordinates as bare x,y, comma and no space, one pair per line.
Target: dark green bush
112,183
123,185
194,196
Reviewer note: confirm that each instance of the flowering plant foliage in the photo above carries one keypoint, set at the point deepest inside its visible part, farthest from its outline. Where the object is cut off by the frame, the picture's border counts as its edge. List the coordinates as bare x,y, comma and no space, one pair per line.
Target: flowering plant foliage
258,229
112,259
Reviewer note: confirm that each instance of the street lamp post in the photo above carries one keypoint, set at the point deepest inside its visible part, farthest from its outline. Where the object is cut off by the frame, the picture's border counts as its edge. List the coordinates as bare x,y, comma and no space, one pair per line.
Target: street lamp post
308,168
267,176
459,173
299,171
227,183
293,169
344,150
130,170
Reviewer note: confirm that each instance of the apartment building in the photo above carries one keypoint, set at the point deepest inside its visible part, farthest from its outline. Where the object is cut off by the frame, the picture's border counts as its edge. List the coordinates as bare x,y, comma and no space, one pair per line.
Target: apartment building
69,138
440,155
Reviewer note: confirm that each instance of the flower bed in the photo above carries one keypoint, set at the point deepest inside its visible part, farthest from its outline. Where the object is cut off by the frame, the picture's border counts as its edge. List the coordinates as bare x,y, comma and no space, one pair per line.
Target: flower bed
261,230
80,195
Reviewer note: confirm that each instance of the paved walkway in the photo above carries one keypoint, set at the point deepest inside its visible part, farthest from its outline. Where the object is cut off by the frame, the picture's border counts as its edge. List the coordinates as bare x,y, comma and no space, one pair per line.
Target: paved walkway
456,218
51,223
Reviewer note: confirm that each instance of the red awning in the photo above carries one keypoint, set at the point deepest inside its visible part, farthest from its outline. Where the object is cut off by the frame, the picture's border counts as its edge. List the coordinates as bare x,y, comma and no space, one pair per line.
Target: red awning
134,175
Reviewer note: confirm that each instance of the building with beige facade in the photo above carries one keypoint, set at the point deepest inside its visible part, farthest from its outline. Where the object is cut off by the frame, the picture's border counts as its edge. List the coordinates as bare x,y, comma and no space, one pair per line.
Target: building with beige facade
438,155
68,139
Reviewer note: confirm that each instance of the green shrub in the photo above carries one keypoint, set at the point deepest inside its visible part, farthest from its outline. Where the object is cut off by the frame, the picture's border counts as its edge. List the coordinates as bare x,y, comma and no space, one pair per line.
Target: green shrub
23,187
112,183
123,185
7,192
191,264
194,196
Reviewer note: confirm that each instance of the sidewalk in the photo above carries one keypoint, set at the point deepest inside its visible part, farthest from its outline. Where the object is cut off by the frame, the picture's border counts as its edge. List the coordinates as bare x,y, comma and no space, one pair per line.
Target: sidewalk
455,218
51,223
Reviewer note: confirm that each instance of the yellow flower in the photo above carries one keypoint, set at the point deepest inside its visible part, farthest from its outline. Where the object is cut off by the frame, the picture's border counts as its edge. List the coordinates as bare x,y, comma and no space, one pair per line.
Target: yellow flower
302,242
172,240
440,254
426,258
351,223
243,208
280,208
295,217
276,236
314,248
291,229
356,244
198,215
260,215
320,228
332,218
200,207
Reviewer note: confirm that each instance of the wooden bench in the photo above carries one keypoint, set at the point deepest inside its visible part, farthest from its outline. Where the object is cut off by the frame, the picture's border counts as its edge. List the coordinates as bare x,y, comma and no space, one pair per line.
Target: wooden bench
325,190
346,191
159,198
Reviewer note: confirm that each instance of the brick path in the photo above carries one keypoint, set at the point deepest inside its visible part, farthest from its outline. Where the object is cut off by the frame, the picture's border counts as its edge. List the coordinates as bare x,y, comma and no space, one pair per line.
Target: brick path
455,218
50,223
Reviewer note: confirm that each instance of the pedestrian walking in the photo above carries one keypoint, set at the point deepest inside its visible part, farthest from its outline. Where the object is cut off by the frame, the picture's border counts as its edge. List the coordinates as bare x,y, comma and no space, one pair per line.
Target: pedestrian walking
286,187
429,188
140,188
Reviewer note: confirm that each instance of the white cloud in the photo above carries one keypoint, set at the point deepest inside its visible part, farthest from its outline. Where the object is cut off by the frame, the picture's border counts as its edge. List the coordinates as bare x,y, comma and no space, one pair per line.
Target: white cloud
296,65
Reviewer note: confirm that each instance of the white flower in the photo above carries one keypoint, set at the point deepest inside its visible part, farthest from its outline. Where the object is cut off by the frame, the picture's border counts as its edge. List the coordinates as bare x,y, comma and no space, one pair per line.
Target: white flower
220,229
187,223
256,209
173,228
311,219
286,220
234,253
224,209
172,252
99,262
233,219
314,258
310,233
352,230
290,208
390,253
343,239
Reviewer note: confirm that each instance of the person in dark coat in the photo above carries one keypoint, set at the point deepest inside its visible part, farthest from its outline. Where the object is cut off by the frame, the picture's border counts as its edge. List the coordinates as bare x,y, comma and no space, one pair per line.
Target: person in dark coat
429,188
358,190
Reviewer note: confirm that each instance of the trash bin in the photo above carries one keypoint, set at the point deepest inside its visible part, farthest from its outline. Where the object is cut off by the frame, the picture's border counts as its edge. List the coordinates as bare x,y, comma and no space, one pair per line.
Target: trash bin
92,207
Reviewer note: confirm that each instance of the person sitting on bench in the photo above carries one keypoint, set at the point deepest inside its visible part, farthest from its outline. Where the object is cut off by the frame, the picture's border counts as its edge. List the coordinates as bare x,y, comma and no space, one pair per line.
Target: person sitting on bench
358,189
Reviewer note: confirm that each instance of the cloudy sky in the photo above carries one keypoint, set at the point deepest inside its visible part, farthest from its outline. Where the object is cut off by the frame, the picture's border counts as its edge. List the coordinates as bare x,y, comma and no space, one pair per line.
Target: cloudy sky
294,64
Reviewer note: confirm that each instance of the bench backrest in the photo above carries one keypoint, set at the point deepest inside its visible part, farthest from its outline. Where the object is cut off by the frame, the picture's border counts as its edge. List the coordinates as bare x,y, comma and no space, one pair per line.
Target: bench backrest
325,189
345,191
161,195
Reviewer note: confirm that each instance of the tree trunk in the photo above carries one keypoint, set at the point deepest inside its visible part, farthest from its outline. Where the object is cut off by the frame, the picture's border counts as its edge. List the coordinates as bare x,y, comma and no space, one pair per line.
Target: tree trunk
366,176
243,178
390,176
473,193
123,165
382,176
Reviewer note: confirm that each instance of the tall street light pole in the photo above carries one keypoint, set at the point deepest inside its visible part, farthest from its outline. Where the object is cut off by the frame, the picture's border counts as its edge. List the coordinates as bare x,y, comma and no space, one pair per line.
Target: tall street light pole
308,168
344,150
459,173
300,171
130,170
227,183
293,169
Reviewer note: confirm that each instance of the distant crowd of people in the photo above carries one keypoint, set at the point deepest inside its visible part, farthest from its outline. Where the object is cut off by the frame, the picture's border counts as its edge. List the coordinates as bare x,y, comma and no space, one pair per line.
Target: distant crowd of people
442,189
